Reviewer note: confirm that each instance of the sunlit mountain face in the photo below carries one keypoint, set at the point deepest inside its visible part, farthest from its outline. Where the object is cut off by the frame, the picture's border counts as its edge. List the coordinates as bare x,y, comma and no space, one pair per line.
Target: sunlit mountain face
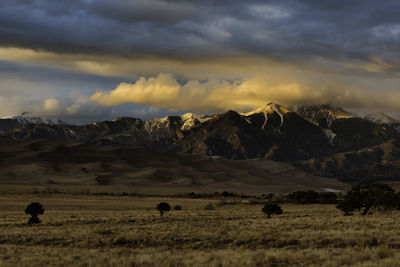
85,61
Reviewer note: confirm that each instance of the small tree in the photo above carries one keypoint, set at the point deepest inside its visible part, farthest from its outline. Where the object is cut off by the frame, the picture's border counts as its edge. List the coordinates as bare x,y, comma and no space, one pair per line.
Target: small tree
163,206
271,208
365,197
34,209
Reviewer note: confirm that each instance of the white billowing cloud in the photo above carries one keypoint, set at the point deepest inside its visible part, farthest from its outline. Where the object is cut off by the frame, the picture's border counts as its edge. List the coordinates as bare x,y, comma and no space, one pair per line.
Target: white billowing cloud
51,105
156,90
73,109
164,91
145,112
267,11
8,107
391,31
77,104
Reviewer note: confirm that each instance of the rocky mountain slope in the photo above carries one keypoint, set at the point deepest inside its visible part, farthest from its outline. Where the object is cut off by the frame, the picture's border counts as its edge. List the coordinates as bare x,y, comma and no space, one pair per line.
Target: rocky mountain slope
322,115
310,137
375,162
380,117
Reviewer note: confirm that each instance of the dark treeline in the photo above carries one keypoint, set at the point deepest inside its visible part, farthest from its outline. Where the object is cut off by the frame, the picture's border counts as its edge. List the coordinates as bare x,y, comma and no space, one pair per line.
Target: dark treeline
312,197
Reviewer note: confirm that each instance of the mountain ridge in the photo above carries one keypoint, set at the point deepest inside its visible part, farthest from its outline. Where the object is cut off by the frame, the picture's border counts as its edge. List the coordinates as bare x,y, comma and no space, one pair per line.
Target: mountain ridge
273,131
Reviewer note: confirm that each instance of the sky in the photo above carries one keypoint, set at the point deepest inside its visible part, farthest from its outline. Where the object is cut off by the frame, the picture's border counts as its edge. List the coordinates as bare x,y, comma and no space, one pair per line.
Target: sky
89,60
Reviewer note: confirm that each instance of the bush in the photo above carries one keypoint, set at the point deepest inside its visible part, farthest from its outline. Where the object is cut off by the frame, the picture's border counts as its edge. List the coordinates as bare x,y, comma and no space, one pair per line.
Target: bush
268,196
312,197
34,209
209,206
162,207
227,202
328,198
177,207
227,194
304,197
365,197
272,208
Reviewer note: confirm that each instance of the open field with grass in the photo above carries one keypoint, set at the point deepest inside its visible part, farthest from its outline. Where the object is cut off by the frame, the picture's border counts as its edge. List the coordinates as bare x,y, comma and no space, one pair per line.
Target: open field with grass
79,230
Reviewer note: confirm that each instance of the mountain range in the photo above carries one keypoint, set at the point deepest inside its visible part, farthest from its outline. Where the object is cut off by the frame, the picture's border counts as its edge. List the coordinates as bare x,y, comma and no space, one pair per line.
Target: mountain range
322,140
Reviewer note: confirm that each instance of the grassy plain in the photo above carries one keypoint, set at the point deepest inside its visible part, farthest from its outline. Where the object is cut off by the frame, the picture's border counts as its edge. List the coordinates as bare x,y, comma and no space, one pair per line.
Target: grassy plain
85,230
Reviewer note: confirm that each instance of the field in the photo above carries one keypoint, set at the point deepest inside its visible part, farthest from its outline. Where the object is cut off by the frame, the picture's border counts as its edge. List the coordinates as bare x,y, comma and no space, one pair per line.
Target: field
88,230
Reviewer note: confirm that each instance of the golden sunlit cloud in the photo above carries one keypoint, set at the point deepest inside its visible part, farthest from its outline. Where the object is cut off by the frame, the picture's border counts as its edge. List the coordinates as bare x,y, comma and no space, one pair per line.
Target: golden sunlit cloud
164,91
155,90
240,65
374,65
51,105
242,82
145,65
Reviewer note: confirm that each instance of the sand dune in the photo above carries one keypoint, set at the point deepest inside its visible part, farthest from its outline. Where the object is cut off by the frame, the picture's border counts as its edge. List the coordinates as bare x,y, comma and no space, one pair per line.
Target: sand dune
45,162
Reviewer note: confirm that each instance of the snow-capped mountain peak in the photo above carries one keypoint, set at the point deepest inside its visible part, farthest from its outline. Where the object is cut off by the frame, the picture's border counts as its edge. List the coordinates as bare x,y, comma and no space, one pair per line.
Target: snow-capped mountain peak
183,122
380,117
34,120
191,120
269,108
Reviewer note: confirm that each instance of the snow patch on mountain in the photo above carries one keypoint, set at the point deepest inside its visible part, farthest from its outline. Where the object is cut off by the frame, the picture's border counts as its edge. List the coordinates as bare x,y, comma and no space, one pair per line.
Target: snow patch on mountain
329,134
183,122
191,120
380,117
269,108
318,113
157,123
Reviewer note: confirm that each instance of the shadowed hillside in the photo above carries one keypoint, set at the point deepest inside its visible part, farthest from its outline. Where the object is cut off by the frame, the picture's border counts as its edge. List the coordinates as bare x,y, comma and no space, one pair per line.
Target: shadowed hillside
50,163
323,140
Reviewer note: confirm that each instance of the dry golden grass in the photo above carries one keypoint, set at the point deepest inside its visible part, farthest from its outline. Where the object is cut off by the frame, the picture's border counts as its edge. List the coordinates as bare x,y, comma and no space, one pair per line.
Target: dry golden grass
81,230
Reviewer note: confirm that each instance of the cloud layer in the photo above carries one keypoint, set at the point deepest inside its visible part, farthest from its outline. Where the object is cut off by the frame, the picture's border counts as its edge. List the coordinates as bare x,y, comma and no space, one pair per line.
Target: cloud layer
164,91
285,30
216,54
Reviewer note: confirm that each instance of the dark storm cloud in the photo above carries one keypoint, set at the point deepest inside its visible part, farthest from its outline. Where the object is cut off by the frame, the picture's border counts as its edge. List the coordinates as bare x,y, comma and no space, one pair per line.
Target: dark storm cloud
158,12
300,47
292,30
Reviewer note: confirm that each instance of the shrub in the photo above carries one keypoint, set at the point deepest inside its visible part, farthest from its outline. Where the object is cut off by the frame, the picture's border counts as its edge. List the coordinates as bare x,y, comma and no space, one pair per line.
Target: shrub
272,208
34,209
227,202
383,252
312,197
268,196
177,207
365,197
304,197
162,207
327,198
209,206
227,194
